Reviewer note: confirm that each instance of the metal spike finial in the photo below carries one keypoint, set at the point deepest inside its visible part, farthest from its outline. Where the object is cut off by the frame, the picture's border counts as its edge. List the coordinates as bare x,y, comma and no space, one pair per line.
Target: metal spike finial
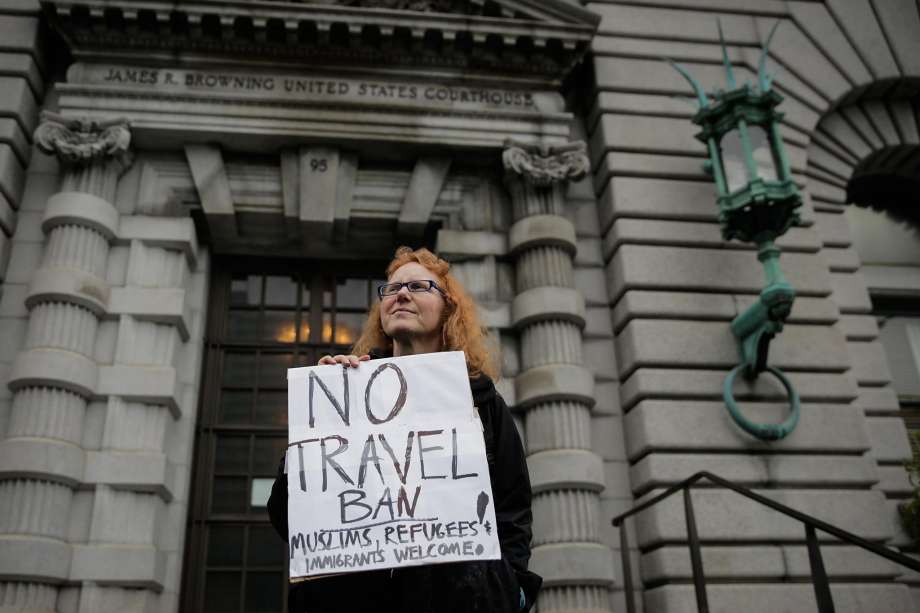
697,88
729,73
763,78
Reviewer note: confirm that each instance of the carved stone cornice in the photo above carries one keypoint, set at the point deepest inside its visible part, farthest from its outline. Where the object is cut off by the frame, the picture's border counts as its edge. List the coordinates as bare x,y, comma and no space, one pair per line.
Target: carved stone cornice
422,6
81,141
534,39
543,165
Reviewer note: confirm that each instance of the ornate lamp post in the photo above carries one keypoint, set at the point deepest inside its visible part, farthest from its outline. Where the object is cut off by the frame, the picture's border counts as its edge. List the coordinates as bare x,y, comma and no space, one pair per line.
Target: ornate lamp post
758,201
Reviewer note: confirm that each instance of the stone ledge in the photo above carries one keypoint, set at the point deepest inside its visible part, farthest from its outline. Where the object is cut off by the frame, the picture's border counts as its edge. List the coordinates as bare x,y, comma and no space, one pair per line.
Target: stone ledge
71,286
169,233
695,234
663,469
81,209
6,247
121,564
541,231
160,305
573,564
883,598
554,382
695,426
55,368
656,267
775,562
150,384
566,469
12,175
553,303
695,384
33,558
495,315
877,401
724,516
457,244
889,440
858,327
673,343
700,306
13,133
134,471
34,458
20,64
8,217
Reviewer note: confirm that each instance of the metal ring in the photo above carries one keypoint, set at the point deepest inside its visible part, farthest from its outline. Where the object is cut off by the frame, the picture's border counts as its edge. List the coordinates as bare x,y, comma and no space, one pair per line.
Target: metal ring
765,432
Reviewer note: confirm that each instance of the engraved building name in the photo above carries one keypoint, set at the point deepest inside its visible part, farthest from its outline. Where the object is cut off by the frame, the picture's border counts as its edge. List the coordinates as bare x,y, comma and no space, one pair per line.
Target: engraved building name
292,87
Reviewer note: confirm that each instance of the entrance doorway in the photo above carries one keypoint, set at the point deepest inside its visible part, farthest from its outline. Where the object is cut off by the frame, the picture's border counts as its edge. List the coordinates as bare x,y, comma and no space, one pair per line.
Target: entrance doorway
265,316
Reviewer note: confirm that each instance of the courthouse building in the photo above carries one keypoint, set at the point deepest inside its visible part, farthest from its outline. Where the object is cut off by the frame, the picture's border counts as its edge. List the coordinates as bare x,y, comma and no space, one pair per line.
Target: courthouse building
195,196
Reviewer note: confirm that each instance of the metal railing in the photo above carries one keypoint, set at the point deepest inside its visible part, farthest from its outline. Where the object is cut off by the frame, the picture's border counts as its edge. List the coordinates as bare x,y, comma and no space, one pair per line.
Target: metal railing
812,525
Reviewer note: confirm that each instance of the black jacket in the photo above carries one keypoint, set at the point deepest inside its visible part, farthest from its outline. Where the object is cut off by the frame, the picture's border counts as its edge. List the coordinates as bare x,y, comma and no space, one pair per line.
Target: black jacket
491,586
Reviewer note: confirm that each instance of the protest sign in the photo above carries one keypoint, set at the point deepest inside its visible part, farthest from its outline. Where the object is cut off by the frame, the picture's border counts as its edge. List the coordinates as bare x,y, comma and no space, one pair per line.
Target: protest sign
386,467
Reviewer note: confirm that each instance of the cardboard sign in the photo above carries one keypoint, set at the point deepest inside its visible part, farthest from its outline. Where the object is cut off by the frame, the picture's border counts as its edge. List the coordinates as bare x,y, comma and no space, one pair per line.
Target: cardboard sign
386,467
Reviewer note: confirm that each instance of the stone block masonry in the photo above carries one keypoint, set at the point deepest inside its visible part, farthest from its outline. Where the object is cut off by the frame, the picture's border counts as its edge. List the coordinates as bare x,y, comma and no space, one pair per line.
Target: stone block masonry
22,88
673,286
98,434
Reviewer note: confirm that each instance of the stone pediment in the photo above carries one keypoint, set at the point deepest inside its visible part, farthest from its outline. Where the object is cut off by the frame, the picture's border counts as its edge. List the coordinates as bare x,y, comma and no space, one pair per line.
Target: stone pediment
531,39
545,11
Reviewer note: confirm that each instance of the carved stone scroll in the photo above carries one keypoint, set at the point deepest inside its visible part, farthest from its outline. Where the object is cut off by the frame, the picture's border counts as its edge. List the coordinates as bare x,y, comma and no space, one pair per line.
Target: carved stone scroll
82,140
542,165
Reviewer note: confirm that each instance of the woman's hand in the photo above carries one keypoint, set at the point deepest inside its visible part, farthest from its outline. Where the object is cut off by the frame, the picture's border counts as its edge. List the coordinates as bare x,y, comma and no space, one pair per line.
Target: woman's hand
344,360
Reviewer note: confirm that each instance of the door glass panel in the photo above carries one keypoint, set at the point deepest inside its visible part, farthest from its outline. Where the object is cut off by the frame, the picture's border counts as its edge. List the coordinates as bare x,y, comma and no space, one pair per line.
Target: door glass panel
327,327
263,591
232,455
246,291
266,454
280,326
265,548
244,325
348,327
351,294
271,408
273,369
222,593
259,492
235,406
280,291
240,369
225,545
266,329
229,495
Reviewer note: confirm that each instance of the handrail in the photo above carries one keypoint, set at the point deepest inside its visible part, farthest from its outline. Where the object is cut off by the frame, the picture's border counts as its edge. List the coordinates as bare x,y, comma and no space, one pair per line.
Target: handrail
819,575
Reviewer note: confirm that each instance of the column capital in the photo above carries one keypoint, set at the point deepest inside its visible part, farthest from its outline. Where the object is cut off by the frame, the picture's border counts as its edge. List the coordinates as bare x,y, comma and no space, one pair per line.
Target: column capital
82,140
543,165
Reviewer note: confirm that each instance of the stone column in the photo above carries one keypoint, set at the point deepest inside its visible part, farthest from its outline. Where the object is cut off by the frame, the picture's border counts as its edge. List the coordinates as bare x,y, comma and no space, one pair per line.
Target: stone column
55,375
554,387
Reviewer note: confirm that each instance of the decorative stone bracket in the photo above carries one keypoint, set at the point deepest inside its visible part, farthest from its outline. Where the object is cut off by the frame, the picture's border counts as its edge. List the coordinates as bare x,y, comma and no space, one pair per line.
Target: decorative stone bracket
82,141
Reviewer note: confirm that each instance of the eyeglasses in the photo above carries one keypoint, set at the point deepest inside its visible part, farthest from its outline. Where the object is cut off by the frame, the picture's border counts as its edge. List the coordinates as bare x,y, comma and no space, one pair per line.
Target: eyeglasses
421,285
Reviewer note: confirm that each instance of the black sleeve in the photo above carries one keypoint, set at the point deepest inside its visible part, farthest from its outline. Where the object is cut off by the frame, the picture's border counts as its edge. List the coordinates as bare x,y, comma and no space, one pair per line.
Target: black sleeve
278,503
511,487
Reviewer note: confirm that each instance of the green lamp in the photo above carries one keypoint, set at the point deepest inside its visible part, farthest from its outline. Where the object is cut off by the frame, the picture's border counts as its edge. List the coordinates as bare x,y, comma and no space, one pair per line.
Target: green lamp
758,202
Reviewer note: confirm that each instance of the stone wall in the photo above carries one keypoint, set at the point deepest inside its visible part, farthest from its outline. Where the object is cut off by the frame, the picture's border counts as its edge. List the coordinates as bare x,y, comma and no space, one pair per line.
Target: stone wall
106,328
674,285
22,88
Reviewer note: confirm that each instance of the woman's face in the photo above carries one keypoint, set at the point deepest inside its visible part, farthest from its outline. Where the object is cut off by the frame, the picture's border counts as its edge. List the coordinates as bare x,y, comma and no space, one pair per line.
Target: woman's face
407,315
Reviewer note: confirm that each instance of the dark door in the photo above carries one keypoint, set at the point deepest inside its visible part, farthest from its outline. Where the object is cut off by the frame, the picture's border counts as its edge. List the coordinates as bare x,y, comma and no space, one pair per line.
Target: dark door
264,317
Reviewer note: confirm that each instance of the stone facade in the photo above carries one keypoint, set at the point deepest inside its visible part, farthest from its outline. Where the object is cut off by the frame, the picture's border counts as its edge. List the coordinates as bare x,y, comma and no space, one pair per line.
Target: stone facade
536,144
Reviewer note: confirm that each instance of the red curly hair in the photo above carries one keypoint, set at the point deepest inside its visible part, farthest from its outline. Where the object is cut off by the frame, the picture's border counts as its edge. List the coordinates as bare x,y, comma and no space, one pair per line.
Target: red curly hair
460,328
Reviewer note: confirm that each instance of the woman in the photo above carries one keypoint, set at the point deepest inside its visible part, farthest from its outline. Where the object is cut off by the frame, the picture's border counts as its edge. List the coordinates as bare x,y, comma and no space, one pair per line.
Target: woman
423,309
